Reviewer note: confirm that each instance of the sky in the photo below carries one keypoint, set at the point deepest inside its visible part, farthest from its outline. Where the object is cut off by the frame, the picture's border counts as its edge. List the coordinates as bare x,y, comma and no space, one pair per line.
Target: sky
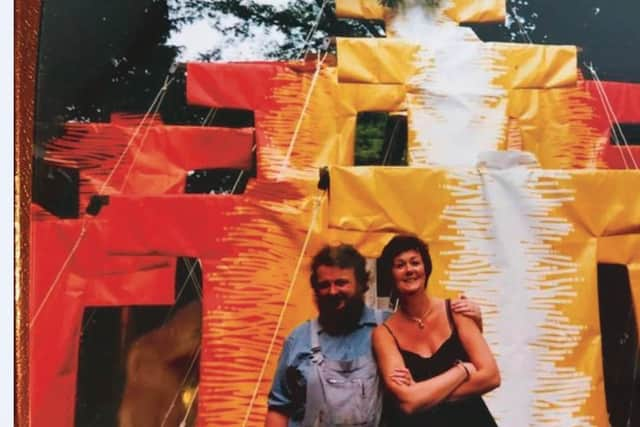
200,37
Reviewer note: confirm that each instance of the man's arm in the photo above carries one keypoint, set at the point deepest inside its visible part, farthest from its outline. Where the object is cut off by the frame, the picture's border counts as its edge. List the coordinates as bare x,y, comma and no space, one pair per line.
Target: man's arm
276,419
280,395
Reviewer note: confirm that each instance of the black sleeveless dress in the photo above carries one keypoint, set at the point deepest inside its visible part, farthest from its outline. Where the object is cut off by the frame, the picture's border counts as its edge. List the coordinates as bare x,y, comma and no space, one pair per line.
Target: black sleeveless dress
469,412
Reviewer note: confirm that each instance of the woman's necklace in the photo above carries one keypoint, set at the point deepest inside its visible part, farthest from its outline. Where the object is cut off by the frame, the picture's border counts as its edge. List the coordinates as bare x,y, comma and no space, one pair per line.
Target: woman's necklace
419,320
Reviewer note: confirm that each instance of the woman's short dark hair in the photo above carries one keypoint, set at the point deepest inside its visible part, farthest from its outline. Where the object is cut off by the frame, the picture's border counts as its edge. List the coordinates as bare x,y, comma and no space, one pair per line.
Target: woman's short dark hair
341,256
397,245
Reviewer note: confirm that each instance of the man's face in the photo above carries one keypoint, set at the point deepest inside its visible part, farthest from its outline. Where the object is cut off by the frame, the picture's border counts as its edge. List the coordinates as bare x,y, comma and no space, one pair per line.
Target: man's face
336,287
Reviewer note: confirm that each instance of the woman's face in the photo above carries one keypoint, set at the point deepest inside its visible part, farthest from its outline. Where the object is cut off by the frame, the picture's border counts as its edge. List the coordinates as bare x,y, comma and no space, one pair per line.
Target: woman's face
408,272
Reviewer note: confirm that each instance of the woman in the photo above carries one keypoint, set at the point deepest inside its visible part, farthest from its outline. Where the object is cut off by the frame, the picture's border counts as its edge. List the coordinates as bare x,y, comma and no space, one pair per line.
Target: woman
434,362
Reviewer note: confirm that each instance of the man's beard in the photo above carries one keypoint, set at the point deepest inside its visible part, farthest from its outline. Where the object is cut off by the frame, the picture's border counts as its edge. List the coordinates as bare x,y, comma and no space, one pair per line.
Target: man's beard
343,321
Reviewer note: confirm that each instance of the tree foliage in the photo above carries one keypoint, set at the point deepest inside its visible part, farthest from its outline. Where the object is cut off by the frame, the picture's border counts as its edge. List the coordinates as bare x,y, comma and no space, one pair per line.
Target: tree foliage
239,19
96,58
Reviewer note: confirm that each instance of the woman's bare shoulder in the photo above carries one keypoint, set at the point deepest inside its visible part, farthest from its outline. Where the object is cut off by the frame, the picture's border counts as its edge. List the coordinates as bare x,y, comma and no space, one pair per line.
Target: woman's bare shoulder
383,329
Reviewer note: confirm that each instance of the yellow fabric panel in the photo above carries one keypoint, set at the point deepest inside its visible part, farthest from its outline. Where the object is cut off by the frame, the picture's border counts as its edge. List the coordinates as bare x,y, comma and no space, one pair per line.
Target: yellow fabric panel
348,100
270,231
623,249
537,66
553,124
319,123
605,202
586,356
327,131
359,9
356,97
460,10
477,11
371,60
516,66
557,274
375,199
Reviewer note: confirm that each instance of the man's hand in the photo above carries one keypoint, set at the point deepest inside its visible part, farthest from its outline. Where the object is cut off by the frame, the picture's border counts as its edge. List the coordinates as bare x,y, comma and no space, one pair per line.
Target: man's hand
468,308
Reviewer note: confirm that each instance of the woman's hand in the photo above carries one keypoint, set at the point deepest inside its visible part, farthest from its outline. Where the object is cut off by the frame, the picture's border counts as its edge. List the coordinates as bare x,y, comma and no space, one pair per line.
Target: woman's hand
402,376
484,375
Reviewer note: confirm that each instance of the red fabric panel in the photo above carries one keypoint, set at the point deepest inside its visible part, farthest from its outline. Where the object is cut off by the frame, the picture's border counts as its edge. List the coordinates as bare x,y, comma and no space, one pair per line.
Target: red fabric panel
274,91
86,145
91,278
156,162
242,85
200,147
613,156
53,354
624,99
195,225
163,155
181,225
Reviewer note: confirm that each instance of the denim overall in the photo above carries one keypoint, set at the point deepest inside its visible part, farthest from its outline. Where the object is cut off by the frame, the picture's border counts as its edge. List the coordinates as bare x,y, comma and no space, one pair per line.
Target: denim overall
342,393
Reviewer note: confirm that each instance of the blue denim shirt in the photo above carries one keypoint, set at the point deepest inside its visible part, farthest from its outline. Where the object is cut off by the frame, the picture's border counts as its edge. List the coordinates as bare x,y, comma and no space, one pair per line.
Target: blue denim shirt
288,391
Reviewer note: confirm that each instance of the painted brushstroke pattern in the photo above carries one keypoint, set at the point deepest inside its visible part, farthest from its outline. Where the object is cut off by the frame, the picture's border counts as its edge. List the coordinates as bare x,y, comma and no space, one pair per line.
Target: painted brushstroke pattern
505,245
506,254
245,290
456,109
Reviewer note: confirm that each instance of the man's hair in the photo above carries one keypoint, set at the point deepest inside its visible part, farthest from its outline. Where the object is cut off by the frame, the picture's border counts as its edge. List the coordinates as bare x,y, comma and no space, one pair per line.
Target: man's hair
397,245
341,256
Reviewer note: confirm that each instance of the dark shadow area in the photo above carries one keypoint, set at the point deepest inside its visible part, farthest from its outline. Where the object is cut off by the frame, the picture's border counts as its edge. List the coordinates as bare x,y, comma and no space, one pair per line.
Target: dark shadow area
218,181
56,188
99,57
620,355
631,132
233,118
347,27
100,368
383,288
107,337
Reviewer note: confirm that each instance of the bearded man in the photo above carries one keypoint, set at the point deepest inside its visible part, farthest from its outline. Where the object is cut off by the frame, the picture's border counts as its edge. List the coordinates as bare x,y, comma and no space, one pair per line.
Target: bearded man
327,375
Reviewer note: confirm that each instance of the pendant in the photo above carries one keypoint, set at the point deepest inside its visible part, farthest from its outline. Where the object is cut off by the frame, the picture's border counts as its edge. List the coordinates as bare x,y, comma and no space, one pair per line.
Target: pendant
420,323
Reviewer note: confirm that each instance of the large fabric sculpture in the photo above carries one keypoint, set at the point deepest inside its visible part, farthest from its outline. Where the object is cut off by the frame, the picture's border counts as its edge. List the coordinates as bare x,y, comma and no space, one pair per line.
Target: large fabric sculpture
519,229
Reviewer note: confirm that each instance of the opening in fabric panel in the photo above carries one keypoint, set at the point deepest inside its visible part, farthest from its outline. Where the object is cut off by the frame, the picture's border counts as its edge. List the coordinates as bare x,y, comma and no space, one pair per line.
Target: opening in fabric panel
630,131
381,139
621,359
141,339
56,188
